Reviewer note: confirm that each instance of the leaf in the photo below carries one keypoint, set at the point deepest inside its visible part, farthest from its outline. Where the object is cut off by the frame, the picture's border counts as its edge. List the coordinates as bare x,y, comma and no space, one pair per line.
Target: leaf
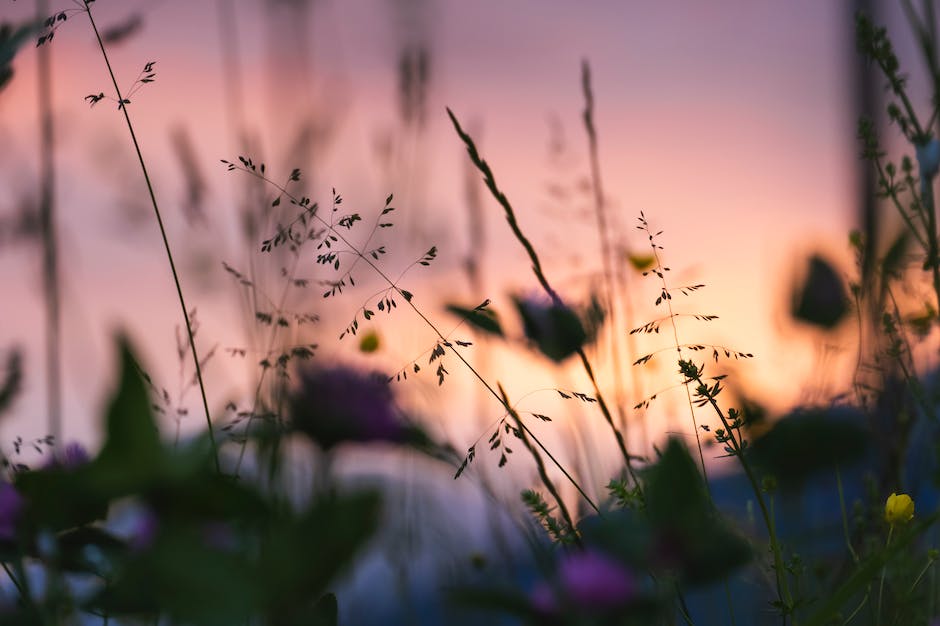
481,318
821,300
681,512
132,441
555,329
809,441
11,39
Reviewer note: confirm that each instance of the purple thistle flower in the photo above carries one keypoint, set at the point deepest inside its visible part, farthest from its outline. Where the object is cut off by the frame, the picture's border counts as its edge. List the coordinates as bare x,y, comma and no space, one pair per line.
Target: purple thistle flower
11,506
341,404
586,581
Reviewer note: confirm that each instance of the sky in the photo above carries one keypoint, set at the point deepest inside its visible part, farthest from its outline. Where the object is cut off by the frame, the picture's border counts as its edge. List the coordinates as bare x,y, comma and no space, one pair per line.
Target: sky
730,125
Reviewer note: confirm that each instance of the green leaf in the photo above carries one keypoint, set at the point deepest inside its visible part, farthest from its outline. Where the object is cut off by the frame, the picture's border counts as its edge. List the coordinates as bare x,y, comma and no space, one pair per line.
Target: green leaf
807,442
184,576
11,39
691,535
132,447
302,555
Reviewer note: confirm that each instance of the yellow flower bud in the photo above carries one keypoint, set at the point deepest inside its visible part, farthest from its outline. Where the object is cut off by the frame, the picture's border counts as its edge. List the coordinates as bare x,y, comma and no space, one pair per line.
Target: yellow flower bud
899,509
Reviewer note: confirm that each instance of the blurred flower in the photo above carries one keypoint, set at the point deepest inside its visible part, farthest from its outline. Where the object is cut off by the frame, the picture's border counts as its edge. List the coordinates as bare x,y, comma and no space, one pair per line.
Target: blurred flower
146,525
553,326
73,456
341,404
11,506
587,581
370,342
899,509
821,300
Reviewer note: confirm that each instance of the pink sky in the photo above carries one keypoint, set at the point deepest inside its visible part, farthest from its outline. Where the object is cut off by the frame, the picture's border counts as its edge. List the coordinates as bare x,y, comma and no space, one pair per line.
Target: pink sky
731,127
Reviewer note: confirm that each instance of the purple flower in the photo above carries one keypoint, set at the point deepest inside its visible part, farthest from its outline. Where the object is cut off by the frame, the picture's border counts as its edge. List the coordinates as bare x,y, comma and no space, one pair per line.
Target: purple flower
145,529
73,456
11,506
342,404
591,579
586,581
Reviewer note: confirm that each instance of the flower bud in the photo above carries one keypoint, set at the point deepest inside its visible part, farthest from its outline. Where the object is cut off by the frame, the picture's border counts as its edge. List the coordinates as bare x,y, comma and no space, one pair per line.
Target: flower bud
899,509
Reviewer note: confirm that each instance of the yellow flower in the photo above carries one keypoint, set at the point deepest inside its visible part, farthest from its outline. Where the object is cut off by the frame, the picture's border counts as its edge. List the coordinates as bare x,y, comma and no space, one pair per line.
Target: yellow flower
899,509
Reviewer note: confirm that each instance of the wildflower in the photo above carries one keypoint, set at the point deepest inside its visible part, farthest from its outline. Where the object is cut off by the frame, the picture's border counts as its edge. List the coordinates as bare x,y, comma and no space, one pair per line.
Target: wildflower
899,509
586,581
11,506
145,527
341,404
73,456
553,326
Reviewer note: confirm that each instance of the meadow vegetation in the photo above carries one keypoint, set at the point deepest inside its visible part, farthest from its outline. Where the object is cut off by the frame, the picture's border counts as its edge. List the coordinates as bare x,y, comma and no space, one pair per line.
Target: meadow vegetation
157,528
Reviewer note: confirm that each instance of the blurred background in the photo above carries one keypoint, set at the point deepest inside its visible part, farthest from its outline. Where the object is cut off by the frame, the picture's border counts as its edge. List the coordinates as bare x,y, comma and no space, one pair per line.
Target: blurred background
731,126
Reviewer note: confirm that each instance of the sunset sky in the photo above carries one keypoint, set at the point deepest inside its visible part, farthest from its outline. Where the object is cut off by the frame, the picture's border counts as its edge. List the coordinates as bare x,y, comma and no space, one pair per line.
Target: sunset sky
730,125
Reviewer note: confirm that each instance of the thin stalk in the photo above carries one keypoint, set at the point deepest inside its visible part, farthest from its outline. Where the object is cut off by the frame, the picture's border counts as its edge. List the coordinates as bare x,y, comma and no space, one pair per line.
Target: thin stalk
855,612
270,347
845,519
783,590
540,465
678,345
684,607
881,583
730,603
933,253
603,233
490,181
15,581
930,562
50,261
166,242
896,201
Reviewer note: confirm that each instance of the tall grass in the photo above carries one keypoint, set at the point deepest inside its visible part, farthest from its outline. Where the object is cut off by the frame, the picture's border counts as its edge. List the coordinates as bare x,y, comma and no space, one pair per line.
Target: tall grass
216,547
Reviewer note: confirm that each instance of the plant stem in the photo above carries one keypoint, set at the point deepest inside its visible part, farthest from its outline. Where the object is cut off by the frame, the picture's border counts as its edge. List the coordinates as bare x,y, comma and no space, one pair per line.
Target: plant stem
845,519
783,591
50,262
166,242
540,465
660,271
490,181
917,580
881,583
603,233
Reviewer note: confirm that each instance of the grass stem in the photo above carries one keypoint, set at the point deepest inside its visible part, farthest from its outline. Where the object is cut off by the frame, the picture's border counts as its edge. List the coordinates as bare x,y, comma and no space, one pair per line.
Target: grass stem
166,241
